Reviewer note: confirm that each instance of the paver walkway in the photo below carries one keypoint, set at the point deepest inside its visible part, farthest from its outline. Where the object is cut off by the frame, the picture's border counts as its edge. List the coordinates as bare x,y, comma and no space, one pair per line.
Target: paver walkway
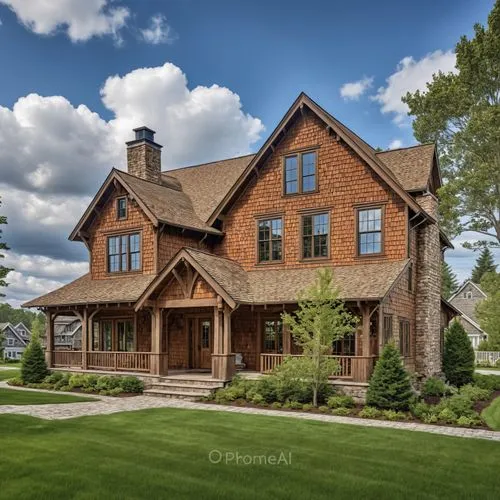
106,405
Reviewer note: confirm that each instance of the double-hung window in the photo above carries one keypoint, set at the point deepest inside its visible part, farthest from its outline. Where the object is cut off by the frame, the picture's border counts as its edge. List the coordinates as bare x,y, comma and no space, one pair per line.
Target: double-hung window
270,240
124,253
315,235
387,329
369,231
300,174
121,208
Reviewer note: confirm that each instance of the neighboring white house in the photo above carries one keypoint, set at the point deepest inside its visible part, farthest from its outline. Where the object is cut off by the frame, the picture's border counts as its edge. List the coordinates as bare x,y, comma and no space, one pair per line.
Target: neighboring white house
465,300
16,338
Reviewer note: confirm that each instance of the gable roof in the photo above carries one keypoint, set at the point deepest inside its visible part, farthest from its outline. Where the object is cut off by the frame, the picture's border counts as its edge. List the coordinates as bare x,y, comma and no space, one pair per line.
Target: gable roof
12,328
363,149
465,283
84,290
472,322
162,203
207,184
411,166
21,324
268,286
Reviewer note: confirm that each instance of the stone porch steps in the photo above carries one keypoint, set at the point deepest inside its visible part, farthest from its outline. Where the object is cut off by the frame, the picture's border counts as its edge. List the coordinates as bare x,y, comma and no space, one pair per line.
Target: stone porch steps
189,388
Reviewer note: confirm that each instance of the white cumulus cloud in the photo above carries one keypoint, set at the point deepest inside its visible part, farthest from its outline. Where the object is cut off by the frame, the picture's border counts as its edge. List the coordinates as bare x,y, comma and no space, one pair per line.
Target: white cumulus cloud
79,19
411,75
54,155
158,31
395,144
352,91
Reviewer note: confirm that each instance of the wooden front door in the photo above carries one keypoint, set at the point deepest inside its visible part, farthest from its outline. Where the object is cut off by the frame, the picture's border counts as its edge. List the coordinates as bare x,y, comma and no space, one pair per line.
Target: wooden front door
201,344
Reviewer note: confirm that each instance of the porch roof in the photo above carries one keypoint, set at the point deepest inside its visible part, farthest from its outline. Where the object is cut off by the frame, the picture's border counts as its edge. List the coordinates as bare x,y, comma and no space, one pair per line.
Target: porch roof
268,286
84,290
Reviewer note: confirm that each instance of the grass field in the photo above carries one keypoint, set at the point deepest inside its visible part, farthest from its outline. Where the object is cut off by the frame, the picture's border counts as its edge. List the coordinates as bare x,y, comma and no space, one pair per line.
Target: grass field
491,414
164,453
6,374
18,397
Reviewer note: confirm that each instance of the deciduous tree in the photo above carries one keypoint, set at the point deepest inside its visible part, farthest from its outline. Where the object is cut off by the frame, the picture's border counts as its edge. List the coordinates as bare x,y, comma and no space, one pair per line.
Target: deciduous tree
461,112
321,318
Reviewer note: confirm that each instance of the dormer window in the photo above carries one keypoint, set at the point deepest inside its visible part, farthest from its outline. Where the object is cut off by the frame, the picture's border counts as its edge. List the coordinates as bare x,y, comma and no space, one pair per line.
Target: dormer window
121,208
299,173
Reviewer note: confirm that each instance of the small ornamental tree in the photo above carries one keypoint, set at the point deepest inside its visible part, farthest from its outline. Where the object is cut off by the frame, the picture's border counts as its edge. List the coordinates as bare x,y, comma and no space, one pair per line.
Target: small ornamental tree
320,319
390,386
33,365
458,356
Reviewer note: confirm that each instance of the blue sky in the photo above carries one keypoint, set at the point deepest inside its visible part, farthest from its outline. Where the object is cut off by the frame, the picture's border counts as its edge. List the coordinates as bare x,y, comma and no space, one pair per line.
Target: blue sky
58,99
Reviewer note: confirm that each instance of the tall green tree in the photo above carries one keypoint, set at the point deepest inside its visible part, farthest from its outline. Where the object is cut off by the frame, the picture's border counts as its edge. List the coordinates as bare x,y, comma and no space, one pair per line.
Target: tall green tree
488,310
461,112
458,356
321,318
3,246
485,263
449,282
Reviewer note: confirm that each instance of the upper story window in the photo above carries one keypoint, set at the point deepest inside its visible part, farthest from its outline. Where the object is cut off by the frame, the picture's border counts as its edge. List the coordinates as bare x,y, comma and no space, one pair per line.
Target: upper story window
10,341
121,208
124,253
270,234
404,337
369,231
315,235
387,329
300,173
468,295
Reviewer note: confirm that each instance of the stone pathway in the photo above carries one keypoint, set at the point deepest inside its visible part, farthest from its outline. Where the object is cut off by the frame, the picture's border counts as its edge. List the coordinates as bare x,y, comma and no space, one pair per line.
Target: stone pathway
107,405
486,371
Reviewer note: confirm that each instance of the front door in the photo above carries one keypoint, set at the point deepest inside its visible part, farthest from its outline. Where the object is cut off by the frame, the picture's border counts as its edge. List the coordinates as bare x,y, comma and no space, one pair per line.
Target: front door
205,339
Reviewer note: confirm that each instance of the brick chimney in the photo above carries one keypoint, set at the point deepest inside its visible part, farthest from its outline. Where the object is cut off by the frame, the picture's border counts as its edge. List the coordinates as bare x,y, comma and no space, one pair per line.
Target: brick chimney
144,155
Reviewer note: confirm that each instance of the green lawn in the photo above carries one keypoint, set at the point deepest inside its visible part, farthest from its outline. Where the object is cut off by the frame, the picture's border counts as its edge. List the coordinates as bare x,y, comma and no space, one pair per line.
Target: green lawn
6,374
163,453
19,397
491,414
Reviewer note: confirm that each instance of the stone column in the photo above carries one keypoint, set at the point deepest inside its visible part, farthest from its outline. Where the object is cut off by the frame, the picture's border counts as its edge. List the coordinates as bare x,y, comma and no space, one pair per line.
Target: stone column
428,293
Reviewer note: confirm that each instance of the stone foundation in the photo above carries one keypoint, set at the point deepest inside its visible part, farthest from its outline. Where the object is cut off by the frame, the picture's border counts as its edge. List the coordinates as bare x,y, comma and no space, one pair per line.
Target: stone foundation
355,389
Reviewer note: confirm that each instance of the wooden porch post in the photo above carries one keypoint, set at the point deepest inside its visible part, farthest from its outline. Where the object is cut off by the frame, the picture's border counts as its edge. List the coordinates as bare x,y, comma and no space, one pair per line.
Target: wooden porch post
365,311
85,338
223,360
155,340
49,338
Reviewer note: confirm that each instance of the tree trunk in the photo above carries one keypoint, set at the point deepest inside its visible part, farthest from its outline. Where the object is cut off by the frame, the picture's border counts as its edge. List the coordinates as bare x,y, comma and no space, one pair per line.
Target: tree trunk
315,396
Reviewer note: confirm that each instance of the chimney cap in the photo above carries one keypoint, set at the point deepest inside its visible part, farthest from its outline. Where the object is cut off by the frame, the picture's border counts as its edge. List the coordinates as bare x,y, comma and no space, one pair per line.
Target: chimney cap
144,134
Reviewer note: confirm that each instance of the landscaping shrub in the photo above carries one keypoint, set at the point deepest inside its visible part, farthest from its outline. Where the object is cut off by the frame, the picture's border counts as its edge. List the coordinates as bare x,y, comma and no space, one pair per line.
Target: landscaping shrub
393,415
458,356
76,381
323,409
434,386
53,378
475,393
389,386
459,404
276,405
341,401
420,410
62,382
307,406
33,366
490,382
16,381
369,412
341,412
447,416
131,384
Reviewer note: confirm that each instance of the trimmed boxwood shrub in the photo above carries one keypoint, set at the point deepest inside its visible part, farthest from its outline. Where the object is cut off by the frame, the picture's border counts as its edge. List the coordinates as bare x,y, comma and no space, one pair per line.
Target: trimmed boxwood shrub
458,356
389,387
340,401
434,386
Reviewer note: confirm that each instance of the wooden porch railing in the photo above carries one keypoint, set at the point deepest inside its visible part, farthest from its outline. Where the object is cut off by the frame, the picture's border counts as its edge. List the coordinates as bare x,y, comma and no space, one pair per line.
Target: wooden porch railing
355,368
66,359
118,360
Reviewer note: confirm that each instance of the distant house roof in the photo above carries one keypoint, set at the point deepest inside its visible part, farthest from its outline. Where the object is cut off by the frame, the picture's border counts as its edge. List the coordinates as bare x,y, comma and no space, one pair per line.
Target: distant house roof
12,328
464,284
